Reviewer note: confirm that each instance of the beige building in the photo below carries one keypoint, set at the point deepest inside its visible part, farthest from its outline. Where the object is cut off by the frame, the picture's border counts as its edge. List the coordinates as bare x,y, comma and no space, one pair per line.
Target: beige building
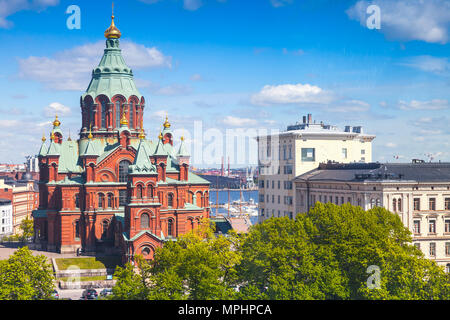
299,149
418,192
24,197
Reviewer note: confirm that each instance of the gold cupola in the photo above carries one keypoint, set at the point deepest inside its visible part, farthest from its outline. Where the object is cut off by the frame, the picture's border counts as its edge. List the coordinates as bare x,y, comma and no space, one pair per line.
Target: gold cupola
112,32
124,120
56,123
166,123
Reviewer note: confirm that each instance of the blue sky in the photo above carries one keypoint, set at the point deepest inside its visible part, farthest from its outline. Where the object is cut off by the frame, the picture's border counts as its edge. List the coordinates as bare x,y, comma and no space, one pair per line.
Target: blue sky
236,64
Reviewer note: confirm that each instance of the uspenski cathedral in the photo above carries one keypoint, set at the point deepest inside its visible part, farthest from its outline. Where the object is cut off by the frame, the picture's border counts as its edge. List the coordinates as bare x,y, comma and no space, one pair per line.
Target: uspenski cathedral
113,190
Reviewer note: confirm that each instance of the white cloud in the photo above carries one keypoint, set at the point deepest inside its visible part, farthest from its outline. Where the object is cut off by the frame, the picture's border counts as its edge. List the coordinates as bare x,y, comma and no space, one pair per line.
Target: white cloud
190,5
350,106
10,7
435,104
196,77
391,145
297,52
290,94
280,3
407,20
71,69
173,90
56,108
429,64
239,122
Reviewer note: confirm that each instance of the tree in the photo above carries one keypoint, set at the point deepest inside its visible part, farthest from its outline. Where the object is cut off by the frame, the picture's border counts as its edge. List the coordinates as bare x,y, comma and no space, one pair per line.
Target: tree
26,226
331,252
279,263
197,265
26,277
326,253
129,285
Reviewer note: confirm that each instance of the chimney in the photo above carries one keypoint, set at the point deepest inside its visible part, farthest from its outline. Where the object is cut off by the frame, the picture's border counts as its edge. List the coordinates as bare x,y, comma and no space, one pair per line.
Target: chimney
309,118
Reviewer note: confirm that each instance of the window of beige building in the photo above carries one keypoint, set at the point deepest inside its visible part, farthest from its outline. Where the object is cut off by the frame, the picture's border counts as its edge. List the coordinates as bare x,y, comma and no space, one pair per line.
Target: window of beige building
447,203
447,225
447,248
417,204
432,204
432,249
432,226
417,226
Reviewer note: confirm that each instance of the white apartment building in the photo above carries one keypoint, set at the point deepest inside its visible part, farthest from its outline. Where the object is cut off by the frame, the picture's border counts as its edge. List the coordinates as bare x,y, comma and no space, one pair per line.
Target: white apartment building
6,217
299,149
418,192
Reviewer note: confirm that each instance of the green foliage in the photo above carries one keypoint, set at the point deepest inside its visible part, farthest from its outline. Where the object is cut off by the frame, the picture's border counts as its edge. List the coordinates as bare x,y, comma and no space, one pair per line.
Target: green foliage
26,226
198,266
322,254
129,285
26,277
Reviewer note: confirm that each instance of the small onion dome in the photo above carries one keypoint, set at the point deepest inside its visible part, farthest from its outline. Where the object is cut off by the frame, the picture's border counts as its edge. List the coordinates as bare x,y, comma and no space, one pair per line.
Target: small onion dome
182,138
142,134
160,136
112,32
166,123
52,136
124,120
56,123
43,138
90,133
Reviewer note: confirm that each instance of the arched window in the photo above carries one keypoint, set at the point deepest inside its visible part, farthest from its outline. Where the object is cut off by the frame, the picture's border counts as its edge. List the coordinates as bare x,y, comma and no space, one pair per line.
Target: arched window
150,191
110,200
103,111
77,201
123,198
105,225
170,200
118,114
146,251
145,221
131,112
399,204
372,203
378,203
192,224
139,192
77,229
447,268
170,228
123,170
101,200
394,205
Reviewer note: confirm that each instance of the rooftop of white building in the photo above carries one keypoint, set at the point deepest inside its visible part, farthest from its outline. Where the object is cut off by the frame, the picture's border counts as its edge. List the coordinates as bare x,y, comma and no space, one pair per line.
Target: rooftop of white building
310,127
417,171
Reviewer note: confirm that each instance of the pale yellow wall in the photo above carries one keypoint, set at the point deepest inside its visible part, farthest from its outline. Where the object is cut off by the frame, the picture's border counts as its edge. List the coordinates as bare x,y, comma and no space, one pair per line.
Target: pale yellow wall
329,150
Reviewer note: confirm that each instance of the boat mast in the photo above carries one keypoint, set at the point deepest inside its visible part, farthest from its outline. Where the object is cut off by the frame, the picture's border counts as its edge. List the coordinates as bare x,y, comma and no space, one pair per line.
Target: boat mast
217,195
228,187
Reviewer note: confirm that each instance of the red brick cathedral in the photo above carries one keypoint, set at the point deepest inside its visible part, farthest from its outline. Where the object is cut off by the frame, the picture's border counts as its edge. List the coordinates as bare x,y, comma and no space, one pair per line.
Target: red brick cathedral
113,190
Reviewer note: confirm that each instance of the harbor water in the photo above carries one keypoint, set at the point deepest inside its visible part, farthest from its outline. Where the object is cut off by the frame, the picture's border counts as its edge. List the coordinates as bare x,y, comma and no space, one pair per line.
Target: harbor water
235,195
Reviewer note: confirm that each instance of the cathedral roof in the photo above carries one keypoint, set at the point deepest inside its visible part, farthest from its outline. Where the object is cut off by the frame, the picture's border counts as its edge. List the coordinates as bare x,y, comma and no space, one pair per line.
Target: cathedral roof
182,151
142,164
112,75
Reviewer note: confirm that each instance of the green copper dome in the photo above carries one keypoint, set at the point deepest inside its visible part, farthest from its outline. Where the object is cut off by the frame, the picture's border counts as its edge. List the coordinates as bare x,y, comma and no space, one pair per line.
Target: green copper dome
112,76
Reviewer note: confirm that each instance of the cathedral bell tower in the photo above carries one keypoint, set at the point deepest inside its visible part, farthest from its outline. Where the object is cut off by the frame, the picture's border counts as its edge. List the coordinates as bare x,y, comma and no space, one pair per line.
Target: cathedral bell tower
111,95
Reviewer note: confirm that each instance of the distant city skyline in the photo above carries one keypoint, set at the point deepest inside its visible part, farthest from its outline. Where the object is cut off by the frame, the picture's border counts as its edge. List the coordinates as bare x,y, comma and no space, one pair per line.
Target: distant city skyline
236,64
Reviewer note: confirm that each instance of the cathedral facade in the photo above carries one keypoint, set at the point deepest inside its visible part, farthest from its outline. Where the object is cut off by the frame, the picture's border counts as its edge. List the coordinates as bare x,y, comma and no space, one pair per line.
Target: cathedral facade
113,190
